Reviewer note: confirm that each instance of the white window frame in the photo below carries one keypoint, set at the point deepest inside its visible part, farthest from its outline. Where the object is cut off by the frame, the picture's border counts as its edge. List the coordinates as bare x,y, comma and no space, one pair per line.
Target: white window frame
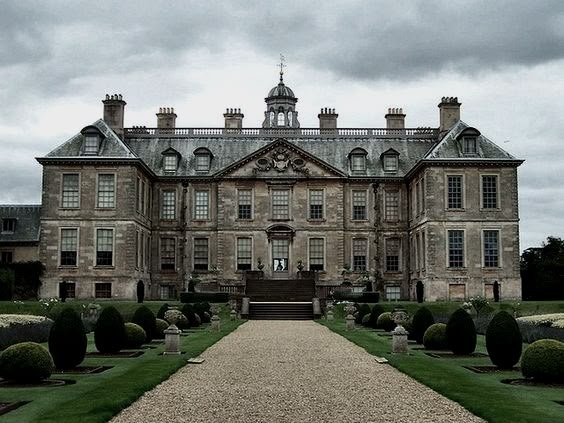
397,206
366,204
77,229
288,215
499,249
252,196
170,163
62,206
104,228
395,296
113,198
91,145
197,213
324,252
165,216
309,203
462,194
464,249
497,198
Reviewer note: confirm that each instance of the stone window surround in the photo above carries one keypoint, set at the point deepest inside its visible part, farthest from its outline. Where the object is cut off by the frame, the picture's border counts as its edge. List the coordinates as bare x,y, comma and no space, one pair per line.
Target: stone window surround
391,210
391,258
77,254
366,204
237,252
113,246
168,210
499,249
462,191
194,258
309,203
173,250
252,197
366,253
464,248
317,258
200,207
289,190
497,198
115,184
61,204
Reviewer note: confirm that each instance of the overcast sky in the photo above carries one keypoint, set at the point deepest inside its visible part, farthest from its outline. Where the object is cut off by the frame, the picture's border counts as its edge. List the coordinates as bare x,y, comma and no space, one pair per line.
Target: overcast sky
504,60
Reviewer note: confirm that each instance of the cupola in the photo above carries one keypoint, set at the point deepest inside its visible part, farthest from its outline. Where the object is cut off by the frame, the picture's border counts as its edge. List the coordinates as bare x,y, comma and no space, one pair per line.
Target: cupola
281,105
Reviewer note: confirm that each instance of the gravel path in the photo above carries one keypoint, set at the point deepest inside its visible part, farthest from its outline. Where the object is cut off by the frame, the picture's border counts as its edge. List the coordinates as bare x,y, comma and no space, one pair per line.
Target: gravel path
290,371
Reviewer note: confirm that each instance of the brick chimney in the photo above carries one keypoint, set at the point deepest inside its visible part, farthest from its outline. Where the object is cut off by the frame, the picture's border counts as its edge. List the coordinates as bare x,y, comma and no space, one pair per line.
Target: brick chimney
233,118
114,107
327,119
395,119
449,113
166,118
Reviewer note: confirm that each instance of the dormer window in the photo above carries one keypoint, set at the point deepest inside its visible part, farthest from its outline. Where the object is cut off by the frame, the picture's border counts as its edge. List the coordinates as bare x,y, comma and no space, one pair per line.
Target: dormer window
390,159
357,159
470,146
203,159
92,141
170,163
8,225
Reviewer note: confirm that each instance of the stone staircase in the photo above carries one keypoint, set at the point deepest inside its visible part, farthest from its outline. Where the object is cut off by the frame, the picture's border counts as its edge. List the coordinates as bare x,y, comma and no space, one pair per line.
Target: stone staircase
280,299
280,311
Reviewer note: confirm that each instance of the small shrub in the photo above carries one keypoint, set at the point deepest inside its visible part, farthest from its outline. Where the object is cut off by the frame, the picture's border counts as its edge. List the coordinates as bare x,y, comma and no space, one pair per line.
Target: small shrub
408,326
162,310
145,318
376,311
363,310
161,327
422,319
461,333
543,360
26,362
366,320
109,334
386,322
135,335
67,340
503,340
435,337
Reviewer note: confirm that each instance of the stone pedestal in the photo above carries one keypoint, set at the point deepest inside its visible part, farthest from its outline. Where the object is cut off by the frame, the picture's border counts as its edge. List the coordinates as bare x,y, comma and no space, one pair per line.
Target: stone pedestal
245,306
316,308
399,340
172,340
350,322
233,315
215,323
330,315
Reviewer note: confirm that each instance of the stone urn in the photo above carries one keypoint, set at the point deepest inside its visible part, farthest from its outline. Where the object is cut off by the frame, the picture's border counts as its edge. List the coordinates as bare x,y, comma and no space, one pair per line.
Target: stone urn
172,333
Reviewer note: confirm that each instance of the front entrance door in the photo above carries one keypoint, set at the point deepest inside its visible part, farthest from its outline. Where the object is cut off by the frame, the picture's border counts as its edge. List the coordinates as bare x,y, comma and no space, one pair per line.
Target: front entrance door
280,255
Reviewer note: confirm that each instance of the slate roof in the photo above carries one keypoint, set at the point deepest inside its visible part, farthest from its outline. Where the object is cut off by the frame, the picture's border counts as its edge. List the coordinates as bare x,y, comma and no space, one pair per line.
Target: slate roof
27,223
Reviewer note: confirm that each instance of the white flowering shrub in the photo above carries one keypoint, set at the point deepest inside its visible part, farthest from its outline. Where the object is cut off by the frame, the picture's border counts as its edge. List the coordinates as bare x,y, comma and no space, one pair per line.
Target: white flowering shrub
542,326
16,328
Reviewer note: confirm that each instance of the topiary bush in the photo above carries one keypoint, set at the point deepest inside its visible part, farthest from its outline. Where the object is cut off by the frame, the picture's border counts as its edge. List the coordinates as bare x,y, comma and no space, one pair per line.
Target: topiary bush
386,322
201,309
422,319
190,313
419,291
67,339
435,337
363,310
162,310
543,360
145,318
366,320
161,327
135,335
109,333
376,311
26,362
461,333
503,340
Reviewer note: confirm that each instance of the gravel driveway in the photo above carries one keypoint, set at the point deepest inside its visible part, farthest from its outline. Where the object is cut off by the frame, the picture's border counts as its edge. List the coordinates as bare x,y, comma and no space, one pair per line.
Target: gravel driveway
290,371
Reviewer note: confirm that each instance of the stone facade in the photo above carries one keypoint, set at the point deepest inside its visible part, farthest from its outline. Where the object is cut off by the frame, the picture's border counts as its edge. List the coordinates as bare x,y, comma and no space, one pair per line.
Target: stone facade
382,206
19,233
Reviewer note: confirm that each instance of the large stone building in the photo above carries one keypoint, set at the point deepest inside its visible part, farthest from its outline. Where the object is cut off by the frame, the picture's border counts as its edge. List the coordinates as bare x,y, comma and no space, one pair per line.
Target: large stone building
19,234
391,205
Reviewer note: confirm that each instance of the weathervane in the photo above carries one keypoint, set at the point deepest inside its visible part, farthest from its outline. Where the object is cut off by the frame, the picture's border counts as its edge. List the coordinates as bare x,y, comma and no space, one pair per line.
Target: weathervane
282,66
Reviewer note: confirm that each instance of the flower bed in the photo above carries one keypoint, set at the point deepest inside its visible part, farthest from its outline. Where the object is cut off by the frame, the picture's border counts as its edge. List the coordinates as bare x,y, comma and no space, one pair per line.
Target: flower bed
542,326
15,328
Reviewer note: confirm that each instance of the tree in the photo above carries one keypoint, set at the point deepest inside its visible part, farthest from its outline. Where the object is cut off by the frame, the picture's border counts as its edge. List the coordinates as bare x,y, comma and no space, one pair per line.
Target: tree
542,271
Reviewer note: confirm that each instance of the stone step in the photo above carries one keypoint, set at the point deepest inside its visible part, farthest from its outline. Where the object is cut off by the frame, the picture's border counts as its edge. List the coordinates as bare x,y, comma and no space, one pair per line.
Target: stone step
281,311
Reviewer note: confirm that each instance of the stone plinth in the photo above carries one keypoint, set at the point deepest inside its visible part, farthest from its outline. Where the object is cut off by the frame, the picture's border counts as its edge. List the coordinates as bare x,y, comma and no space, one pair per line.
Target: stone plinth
316,308
350,322
399,340
233,315
215,323
172,340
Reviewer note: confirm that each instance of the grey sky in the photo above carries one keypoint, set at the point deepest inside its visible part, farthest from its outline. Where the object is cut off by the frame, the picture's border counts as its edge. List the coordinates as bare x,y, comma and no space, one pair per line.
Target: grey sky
503,59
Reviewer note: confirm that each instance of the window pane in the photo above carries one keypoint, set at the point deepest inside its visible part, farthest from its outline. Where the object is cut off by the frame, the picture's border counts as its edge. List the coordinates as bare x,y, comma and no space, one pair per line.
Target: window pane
393,293
104,247
491,248
489,191
70,190
280,204
390,163
316,204
244,201
280,119
455,248
201,205
359,254
244,253
470,145
359,205
392,255
170,163
392,206
202,162
168,211
91,144
200,253
103,290
280,254
69,245
358,163
454,192
106,186
168,254
316,254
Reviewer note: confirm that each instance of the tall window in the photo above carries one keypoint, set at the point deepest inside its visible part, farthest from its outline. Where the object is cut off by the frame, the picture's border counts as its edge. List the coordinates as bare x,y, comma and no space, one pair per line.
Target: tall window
271,119
91,145
316,204
69,247
359,254
316,254
170,162
491,248
104,247
280,119
456,248
359,205
70,191
489,191
106,191
201,249
455,192
168,254
290,118
168,210
244,253
142,209
280,204
202,162
392,255
358,163
392,205
201,205
244,204
470,145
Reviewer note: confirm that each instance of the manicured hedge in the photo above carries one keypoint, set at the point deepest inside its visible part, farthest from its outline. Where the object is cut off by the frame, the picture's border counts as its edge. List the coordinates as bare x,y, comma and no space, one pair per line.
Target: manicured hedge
16,328
543,360
503,341
212,297
67,339
109,334
461,333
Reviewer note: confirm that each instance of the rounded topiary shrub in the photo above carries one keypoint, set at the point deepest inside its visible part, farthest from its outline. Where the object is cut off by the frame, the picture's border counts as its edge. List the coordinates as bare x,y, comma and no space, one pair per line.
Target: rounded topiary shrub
145,318
363,310
386,322
435,337
162,310
201,310
161,326
366,320
135,335
503,340
461,333
190,313
67,339
26,362
543,360
376,311
109,333
422,319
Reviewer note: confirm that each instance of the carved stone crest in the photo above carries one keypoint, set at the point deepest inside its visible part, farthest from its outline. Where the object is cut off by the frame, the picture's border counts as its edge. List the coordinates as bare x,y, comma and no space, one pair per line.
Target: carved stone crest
281,161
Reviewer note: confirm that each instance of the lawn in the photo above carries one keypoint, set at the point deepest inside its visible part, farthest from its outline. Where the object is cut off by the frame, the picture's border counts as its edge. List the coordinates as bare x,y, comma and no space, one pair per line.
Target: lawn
482,394
98,397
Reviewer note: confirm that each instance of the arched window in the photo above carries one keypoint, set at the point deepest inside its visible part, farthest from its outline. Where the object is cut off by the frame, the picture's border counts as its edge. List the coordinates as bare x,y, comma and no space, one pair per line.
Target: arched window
271,119
203,159
290,116
280,119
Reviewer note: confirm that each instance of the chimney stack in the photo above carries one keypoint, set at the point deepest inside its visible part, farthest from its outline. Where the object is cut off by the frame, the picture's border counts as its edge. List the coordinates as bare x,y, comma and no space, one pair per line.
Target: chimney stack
395,119
233,119
327,118
166,118
449,113
114,107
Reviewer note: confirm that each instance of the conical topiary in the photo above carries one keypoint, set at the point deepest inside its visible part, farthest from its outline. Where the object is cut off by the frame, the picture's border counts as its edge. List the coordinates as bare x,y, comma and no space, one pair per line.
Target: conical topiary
109,334
67,339
376,311
461,333
422,319
503,340
145,318
190,313
162,310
